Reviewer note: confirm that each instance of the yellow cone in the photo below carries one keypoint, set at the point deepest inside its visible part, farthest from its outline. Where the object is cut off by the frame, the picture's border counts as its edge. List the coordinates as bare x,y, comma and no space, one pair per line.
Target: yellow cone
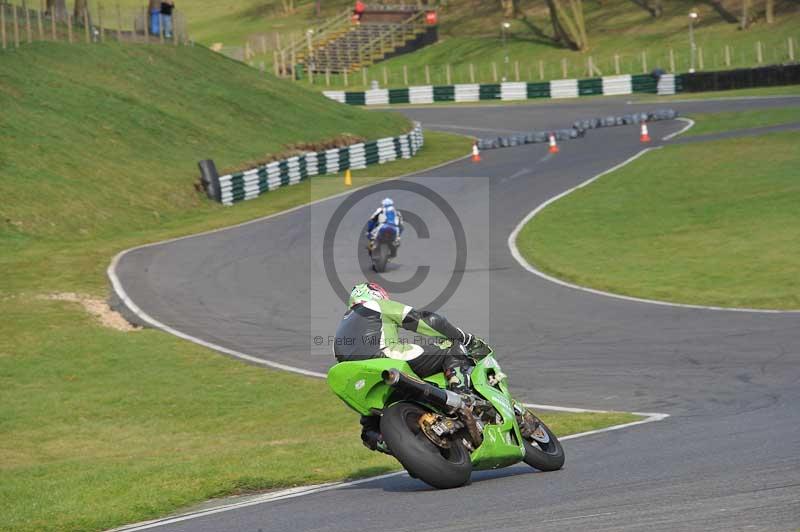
348,179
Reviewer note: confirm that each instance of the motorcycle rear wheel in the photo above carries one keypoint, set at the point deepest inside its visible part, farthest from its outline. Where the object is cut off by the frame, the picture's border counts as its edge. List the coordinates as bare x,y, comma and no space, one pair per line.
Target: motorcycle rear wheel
439,467
380,257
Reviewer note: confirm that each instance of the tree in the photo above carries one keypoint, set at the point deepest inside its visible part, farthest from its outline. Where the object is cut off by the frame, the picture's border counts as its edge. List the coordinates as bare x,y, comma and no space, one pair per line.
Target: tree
288,6
57,8
569,26
744,21
510,8
770,11
80,7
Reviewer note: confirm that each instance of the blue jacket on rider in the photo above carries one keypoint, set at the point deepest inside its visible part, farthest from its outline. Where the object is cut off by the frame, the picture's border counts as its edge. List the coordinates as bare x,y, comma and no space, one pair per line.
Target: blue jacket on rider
386,215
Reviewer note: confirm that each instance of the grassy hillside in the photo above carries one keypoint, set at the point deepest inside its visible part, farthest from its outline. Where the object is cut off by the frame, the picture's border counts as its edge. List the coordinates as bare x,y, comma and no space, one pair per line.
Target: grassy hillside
82,115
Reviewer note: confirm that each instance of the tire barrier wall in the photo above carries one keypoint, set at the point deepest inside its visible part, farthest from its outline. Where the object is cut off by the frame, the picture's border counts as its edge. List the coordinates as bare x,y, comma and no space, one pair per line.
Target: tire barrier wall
664,84
577,130
231,188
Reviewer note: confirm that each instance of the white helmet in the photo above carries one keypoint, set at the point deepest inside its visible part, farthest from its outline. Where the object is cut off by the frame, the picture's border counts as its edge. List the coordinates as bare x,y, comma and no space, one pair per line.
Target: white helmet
387,202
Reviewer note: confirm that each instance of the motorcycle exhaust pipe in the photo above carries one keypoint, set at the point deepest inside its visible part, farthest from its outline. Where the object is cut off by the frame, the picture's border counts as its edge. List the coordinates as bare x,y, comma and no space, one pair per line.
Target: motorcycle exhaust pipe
422,390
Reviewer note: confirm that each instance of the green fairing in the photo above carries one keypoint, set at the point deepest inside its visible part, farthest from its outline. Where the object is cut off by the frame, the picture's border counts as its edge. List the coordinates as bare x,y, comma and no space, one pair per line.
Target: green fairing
360,385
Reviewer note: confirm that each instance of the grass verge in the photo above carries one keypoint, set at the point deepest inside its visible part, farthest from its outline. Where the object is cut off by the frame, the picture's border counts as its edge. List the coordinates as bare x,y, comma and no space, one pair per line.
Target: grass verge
706,123
712,223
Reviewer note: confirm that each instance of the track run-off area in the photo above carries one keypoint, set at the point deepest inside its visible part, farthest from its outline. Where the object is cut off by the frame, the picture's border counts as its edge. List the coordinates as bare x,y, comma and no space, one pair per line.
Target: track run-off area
726,458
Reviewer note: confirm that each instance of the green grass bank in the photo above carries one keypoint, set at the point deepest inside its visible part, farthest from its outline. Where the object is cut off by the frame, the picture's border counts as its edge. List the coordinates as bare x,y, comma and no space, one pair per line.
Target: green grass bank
712,223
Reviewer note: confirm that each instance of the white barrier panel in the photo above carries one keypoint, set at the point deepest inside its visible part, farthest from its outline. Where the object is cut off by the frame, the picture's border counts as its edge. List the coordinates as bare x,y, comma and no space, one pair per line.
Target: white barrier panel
386,150
467,93
617,85
312,168
514,91
358,158
335,95
332,161
422,94
564,88
376,97
666,84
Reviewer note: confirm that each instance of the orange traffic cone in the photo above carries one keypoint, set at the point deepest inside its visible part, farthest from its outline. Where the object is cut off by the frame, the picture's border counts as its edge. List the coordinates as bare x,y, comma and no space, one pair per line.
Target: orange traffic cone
476,154
645,136
553,145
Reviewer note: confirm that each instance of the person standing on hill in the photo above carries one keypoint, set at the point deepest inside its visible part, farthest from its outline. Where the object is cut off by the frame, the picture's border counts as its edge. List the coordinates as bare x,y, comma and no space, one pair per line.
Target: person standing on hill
166,17
154,9
358,11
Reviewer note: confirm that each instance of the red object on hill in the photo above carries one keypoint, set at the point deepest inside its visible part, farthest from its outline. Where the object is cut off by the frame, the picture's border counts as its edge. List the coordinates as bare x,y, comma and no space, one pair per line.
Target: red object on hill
430,17
360,8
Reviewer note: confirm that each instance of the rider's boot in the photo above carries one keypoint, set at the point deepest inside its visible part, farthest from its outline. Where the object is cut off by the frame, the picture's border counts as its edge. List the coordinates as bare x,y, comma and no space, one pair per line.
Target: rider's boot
371,435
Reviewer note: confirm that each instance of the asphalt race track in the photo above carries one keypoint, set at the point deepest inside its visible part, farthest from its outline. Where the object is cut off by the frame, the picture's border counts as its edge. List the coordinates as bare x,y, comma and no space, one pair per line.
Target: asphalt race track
728,458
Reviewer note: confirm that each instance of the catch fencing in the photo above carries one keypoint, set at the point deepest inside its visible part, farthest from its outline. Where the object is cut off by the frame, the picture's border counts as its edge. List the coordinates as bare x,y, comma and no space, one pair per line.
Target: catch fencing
23,22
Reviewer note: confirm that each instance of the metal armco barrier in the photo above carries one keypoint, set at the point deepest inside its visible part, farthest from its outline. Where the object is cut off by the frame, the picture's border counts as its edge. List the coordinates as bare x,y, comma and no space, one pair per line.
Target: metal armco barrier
743,78
231,188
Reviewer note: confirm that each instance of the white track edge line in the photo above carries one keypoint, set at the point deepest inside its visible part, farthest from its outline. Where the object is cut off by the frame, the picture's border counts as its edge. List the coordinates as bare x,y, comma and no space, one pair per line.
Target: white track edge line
687,128
300,491
133,307
512,245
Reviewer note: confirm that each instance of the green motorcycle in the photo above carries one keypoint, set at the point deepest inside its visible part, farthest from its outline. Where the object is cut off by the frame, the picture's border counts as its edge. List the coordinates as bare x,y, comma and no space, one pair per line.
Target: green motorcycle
440,436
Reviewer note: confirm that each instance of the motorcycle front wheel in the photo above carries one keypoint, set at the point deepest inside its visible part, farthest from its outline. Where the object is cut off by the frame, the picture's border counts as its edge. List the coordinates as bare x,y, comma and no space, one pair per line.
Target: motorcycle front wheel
440,467
543,451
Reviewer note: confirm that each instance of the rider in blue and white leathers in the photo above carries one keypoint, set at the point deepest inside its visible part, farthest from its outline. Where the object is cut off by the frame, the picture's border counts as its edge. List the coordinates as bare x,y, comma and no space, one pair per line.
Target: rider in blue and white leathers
385,215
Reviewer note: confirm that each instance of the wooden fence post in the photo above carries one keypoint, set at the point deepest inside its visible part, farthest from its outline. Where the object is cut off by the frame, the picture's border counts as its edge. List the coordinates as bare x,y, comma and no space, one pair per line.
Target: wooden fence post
69,27
427,74
790,45
385,77
541,70
345,77
275,63
364,76
16,26
28,32
100,22
672,60
448,74
494,71
564,70
405,75
471,73
146,25
616,64
119,23
3,25
759,53
86,24
264,44
727,55
39,20
700,62
328,77
53,25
